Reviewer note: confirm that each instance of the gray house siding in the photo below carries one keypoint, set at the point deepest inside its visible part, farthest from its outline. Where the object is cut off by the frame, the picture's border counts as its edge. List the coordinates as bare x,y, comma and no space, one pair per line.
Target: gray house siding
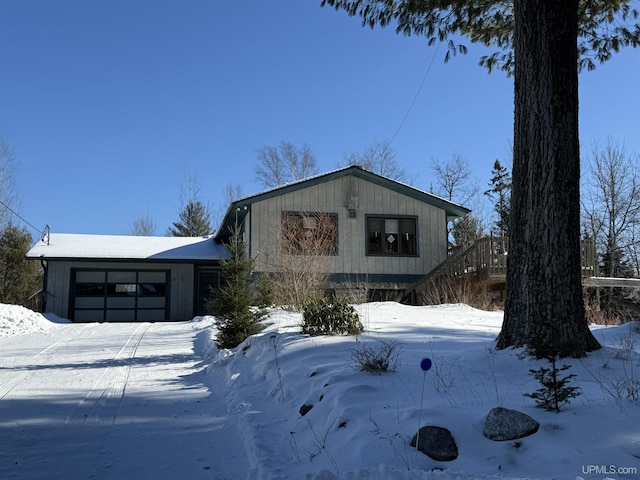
338,196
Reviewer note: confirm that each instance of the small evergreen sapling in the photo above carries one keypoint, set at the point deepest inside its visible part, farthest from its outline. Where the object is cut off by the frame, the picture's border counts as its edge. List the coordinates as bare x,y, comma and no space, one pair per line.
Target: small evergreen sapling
236,318
556,392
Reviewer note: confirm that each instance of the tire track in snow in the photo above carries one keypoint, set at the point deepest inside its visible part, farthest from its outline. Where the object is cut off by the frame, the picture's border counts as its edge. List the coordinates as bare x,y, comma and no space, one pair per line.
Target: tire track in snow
101,405
13,379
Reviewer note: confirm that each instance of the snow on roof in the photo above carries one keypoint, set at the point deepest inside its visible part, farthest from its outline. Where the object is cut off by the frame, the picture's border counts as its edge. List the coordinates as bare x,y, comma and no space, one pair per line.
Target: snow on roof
99,247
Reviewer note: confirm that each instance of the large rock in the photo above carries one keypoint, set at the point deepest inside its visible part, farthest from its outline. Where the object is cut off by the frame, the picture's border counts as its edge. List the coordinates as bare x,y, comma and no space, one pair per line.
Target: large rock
504,424
436,442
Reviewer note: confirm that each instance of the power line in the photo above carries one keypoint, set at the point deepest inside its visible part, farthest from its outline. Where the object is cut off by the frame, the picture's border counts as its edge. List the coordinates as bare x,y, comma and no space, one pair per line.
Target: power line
34,228
404,119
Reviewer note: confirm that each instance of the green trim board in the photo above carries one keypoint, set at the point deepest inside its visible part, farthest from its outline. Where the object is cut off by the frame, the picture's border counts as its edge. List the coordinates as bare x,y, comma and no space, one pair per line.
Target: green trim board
360,278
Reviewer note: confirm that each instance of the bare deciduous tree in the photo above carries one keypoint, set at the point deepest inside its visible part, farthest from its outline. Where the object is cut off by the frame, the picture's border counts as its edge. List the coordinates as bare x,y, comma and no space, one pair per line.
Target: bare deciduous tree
143,226
307,243
611,206
381,159
230,193
7,181
284,163
455,183
454,179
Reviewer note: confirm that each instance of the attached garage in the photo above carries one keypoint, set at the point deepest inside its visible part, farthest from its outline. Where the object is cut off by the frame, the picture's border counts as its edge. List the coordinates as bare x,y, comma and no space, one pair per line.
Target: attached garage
106,278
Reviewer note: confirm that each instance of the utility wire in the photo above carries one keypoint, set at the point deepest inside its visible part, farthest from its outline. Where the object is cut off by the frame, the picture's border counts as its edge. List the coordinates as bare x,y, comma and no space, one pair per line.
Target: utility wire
404,119
34,228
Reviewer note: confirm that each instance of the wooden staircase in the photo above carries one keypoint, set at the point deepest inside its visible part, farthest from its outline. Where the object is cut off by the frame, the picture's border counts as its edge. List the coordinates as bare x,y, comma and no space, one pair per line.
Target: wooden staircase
485,260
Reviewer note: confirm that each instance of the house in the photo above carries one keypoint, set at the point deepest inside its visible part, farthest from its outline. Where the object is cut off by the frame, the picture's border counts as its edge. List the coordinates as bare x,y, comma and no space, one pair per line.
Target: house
378,237
96,278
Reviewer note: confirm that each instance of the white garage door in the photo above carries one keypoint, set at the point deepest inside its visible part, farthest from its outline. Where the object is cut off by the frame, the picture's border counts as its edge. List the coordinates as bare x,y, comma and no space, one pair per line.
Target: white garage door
119,296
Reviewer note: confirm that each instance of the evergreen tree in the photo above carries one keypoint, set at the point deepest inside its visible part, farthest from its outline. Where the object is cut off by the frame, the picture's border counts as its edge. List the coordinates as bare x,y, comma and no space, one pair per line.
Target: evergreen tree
467,230
19,277
556,391
615,264
500,193
231,304
194,221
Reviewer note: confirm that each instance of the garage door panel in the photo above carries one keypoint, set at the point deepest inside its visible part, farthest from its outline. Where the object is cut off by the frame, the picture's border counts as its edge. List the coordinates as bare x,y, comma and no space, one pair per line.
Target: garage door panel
152,277
151,315
121,302
121,315
90,277
151,302
120,296
89,302
89,316
121,277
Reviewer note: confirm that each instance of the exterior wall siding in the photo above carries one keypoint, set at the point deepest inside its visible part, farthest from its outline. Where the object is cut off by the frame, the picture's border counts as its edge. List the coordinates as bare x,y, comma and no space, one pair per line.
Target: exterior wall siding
366,198
181,300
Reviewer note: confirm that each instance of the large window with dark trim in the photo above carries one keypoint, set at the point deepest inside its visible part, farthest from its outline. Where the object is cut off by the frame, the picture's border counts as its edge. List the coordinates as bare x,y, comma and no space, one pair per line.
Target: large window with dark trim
388,235
306,233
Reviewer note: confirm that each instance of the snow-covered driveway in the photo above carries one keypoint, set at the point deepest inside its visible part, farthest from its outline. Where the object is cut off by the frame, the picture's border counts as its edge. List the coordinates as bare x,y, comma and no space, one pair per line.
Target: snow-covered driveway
113,401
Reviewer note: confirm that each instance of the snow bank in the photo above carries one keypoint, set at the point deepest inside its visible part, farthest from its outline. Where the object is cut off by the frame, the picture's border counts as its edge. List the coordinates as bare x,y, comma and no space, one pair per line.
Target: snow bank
17,320
360,425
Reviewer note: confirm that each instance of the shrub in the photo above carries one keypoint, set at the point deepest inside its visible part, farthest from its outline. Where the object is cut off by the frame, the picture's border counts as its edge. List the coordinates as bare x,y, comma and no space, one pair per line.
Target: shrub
330,316
382,357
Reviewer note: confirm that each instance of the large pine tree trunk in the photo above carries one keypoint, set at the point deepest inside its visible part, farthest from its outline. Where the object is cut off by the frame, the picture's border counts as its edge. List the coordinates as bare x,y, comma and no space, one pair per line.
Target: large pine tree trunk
544,307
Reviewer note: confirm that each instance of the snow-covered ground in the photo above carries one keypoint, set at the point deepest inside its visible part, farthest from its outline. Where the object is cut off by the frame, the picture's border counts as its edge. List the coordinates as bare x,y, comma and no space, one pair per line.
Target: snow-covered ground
160,401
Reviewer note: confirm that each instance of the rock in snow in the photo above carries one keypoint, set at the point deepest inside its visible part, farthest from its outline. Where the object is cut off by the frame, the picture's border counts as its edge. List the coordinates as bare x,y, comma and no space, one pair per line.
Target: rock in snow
505,424
436,442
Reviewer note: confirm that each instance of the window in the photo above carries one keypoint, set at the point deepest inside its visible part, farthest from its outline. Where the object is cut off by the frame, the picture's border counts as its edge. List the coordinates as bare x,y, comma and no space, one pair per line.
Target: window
310,233
391,236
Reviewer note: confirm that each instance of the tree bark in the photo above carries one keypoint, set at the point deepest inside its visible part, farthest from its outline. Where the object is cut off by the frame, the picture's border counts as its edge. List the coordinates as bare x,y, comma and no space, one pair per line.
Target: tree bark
544,307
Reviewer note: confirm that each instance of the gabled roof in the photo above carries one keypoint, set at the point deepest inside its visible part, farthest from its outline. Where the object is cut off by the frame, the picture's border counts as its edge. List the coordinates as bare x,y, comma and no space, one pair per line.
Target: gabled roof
238,209
63,246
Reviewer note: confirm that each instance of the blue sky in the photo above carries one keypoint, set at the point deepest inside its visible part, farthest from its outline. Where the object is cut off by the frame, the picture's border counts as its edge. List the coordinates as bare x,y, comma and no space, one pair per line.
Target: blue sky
111,104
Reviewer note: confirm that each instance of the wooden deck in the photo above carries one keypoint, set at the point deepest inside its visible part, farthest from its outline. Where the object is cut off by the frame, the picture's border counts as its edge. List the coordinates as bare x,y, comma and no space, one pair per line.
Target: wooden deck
486,259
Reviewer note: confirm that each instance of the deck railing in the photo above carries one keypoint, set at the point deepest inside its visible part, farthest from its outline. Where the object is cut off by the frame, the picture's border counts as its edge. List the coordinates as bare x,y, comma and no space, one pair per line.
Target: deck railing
486,258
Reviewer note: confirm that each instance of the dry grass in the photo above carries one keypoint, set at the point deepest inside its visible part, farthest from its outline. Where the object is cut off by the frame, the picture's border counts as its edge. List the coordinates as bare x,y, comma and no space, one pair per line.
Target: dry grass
478,294
614,312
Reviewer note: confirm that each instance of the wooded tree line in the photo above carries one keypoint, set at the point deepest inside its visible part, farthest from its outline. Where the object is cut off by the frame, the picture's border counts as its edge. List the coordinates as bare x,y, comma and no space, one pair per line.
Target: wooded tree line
19,278
610,204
